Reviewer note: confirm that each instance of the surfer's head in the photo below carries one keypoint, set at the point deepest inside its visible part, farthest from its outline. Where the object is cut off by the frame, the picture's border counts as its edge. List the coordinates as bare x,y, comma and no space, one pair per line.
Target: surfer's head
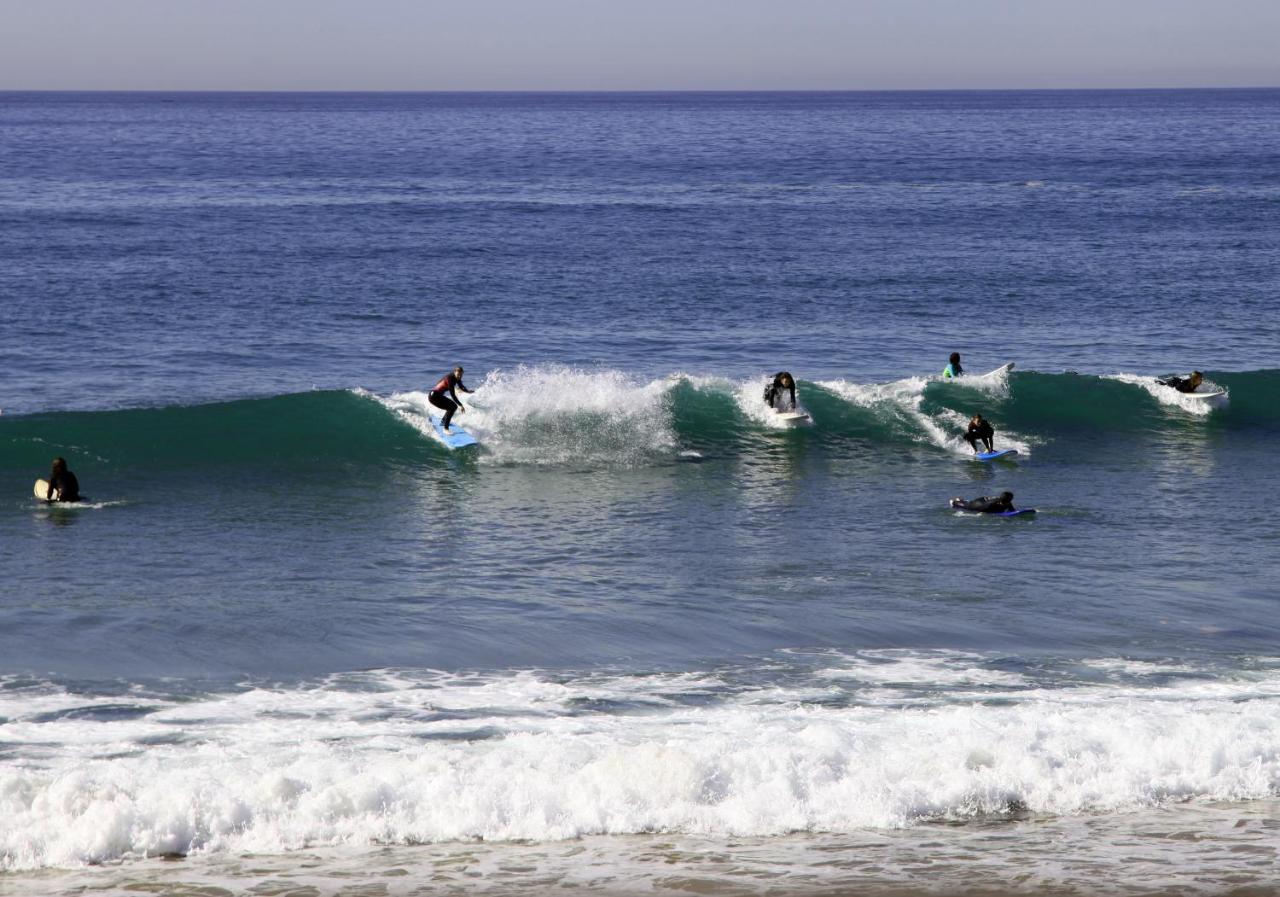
785,379
1195,379
457,372
1006,496
59,465
976,419
955,358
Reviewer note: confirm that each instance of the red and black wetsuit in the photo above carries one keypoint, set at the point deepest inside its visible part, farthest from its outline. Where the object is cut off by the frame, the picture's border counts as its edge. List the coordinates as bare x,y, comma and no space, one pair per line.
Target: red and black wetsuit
442,395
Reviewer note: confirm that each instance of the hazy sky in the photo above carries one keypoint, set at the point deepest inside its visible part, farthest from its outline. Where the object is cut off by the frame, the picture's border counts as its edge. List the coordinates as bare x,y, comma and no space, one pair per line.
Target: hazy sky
635,44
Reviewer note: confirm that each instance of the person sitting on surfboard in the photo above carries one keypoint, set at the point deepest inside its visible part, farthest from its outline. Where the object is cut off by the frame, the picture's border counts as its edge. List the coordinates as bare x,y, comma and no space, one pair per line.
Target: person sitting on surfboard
1184,384
980,429
442,395
62,483
953,368
773,392
998,505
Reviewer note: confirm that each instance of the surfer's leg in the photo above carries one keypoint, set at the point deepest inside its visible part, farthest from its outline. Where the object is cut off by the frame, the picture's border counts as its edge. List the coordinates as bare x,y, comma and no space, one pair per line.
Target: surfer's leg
445,404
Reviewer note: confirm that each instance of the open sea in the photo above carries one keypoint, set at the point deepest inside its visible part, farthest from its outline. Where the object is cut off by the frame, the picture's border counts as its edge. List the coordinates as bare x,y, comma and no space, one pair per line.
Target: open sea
641,639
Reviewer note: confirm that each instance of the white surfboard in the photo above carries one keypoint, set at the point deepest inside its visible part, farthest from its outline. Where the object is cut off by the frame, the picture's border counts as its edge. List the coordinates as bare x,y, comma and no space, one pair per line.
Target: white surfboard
42,490
792,418
1203,395
1003,369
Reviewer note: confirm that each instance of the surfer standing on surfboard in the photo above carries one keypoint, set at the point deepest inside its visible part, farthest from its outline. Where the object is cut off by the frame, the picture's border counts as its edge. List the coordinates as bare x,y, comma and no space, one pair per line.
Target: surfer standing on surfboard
442,395
773,392
979,428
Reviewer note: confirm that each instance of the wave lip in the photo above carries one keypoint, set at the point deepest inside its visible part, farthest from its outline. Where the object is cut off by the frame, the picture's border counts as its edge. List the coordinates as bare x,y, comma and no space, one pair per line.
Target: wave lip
871,743
902,405
557,415
1174,399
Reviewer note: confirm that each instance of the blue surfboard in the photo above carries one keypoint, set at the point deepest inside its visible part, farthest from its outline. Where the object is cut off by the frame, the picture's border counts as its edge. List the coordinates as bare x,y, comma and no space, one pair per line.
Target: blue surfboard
991,456
456,438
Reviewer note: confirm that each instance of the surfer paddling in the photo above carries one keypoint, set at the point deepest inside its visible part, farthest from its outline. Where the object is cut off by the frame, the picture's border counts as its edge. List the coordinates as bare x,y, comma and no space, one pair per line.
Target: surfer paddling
442,395
773,393
1184,384
1000,504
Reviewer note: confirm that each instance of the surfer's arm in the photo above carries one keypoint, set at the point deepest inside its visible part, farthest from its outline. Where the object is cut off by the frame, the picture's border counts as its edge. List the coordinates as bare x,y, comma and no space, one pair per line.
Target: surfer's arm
454,395
793,396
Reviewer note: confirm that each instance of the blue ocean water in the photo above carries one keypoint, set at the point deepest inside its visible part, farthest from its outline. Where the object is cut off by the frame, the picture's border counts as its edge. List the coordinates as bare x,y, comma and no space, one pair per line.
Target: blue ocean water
641,613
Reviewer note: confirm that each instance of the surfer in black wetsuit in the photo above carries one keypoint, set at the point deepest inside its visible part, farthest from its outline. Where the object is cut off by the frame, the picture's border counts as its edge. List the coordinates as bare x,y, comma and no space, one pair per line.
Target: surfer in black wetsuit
998,505
979,428
782,381
62,483
442,395
1184,384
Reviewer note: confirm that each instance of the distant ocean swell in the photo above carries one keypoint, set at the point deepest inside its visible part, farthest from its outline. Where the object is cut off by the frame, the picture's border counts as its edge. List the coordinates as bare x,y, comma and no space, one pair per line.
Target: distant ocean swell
404,758
549,415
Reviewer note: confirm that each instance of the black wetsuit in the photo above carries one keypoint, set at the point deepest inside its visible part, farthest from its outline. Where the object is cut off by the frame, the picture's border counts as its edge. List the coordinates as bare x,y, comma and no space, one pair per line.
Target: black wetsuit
986,505
65,485
776,388
983,431
444,398
1181,384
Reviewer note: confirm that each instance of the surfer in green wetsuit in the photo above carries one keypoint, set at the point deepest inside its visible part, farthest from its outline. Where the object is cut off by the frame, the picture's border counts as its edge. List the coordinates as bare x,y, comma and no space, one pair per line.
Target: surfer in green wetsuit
953,368
442,395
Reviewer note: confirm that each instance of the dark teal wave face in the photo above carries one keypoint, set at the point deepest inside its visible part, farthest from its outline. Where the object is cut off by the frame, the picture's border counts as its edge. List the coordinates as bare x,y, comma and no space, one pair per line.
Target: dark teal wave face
320,431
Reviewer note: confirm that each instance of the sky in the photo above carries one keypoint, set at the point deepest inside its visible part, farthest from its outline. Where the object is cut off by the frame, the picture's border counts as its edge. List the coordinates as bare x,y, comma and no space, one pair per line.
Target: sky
636,44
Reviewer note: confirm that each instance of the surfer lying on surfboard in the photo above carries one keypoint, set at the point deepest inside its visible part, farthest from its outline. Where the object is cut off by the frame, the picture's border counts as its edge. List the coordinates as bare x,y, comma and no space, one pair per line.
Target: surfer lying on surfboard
773,392
979,428
1184,384
1001,504
442,395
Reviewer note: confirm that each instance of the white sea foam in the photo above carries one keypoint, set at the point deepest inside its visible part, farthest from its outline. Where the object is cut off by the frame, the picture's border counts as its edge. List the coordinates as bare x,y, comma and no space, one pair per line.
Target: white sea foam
904,399
412,758
1172,398
555,415
947,668
747,395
